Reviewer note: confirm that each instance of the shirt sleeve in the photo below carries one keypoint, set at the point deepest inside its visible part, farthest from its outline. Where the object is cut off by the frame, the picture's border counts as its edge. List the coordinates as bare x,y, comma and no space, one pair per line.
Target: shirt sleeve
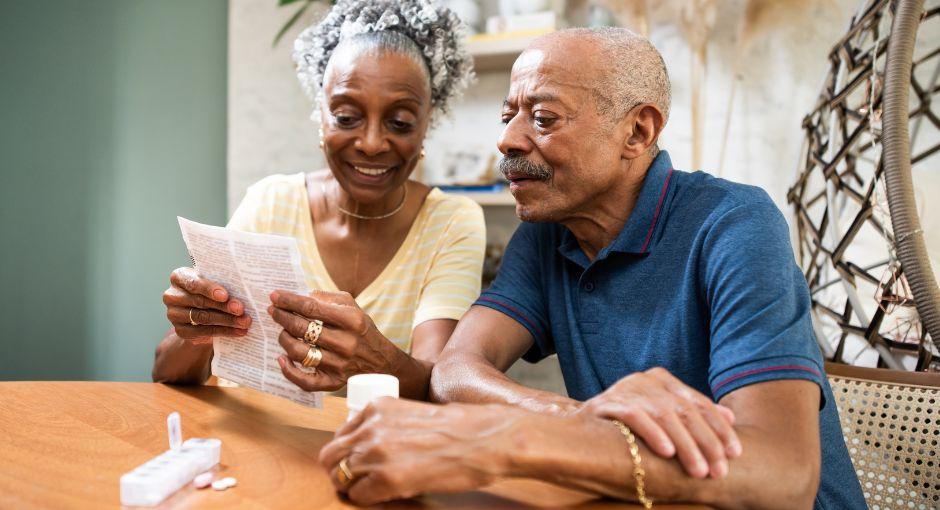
453,279
250,214
760,326
518,293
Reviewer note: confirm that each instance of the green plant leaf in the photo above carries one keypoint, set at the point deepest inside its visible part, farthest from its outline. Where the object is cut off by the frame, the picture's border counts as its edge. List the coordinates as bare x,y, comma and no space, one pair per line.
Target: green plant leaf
293,19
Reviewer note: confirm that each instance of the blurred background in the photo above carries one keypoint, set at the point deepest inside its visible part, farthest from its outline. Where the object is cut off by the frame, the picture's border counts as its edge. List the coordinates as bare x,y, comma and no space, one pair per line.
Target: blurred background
118,115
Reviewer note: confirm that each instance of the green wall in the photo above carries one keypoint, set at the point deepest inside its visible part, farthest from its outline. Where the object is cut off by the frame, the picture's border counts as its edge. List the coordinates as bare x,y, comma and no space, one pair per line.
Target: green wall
112,122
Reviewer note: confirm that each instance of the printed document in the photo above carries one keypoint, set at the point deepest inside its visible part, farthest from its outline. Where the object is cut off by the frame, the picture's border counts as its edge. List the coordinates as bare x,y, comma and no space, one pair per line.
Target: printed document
250,266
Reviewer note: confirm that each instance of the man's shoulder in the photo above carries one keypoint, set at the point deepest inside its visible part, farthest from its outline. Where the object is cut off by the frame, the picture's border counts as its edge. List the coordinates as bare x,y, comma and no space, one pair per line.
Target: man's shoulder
706,198
704,191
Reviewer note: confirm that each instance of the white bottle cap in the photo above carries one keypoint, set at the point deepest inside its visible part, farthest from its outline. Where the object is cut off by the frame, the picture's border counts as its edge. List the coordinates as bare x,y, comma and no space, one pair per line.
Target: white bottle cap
364,388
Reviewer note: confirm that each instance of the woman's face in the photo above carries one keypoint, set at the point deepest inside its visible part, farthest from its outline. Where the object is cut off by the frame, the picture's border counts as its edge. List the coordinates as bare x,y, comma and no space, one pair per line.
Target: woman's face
376,108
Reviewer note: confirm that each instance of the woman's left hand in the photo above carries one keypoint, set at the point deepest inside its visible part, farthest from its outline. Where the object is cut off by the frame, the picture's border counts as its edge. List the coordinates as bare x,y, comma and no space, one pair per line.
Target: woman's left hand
350,342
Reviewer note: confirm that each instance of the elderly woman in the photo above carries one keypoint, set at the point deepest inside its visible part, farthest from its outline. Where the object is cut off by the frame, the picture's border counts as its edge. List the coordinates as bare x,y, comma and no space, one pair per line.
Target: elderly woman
395,263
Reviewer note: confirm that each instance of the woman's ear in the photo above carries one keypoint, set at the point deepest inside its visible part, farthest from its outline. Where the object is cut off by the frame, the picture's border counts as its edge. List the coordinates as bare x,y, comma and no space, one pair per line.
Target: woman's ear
644,123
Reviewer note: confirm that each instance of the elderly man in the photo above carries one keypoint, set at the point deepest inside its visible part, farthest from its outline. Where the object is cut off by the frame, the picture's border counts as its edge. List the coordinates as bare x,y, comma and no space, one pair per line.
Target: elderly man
671,298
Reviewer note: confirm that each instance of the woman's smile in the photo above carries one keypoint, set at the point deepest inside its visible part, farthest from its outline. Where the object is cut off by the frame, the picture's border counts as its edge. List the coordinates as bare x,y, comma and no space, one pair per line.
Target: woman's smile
371,174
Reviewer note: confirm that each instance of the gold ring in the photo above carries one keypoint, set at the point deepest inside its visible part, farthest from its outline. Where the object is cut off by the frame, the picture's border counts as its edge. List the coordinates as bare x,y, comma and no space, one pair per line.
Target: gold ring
344,474
313,358
314,329
191,321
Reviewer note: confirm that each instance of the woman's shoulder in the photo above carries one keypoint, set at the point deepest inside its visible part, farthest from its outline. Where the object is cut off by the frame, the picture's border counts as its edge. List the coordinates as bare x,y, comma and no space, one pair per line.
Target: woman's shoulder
446,207
278,185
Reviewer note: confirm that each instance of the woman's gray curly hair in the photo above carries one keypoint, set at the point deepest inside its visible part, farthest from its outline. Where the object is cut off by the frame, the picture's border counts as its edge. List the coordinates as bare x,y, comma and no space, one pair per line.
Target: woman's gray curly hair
435,31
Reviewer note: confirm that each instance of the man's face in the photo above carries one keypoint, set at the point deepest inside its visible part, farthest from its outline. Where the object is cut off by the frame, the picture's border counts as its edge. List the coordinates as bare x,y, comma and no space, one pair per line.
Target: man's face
559,152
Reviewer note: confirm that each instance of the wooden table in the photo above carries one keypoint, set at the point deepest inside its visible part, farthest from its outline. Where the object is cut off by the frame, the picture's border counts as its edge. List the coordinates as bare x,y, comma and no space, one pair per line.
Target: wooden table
66,444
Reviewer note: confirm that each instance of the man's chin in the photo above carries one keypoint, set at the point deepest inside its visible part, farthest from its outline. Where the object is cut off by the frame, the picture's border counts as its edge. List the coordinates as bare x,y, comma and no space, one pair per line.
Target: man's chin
533,214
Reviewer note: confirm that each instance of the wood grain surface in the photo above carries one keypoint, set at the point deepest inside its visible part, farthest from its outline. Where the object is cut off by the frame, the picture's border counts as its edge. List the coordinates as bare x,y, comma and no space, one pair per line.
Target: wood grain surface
66,445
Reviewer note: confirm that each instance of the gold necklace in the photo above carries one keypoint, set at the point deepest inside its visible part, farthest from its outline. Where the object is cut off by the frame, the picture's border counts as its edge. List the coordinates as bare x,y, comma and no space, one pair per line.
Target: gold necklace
398,208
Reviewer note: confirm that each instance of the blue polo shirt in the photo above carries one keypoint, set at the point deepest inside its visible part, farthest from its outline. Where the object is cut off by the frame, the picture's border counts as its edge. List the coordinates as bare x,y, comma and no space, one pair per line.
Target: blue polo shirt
700,281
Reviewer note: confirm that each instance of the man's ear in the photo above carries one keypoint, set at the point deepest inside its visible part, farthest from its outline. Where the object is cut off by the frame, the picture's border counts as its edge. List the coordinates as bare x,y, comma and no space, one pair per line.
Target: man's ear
643,125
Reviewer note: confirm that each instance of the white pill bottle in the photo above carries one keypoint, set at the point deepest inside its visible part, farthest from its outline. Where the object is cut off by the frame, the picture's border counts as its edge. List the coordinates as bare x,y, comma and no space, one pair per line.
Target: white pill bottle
364,388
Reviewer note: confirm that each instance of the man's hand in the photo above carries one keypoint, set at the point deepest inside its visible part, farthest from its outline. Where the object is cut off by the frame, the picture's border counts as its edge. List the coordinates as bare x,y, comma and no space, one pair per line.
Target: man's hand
672,419
398,449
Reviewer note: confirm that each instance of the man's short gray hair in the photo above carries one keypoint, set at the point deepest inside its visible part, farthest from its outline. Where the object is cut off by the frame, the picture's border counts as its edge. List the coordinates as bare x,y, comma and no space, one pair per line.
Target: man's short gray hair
632,71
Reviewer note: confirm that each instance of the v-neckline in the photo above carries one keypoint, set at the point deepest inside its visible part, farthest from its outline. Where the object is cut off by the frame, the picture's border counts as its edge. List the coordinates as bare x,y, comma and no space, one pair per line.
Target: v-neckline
327,279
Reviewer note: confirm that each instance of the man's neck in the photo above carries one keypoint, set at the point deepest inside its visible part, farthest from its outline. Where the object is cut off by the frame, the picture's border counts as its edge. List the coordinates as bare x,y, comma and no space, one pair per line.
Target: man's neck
609,211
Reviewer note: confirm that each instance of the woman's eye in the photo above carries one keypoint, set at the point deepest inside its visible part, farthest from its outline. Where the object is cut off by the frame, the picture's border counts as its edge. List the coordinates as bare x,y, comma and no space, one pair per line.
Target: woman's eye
345,121
401,126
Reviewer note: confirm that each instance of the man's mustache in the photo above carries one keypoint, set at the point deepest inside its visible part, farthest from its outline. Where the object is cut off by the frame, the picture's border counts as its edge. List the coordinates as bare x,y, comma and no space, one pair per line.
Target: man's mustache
518,166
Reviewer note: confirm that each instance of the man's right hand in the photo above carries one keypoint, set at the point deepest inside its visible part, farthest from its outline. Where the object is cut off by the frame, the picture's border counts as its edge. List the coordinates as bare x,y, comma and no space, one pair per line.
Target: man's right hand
672,419
192,299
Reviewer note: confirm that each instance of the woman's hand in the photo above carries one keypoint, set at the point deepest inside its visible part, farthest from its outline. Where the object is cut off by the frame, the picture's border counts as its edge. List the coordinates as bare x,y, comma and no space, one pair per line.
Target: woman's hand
672,419
349,341
398,449
200,309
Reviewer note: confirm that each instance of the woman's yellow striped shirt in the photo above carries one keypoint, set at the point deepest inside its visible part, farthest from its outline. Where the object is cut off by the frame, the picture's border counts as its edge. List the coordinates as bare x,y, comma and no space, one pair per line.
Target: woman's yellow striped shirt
434,275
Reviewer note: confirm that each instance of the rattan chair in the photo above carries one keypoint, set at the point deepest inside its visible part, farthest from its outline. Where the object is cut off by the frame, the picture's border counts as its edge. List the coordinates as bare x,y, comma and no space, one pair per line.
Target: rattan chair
891,424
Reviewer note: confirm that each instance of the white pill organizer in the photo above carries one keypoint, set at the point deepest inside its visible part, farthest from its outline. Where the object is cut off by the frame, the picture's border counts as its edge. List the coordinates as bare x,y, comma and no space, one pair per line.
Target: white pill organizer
155,480
161,476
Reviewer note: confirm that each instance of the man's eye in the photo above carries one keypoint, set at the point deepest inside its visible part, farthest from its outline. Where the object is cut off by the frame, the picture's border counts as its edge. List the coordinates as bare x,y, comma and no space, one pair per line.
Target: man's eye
506,117
544,122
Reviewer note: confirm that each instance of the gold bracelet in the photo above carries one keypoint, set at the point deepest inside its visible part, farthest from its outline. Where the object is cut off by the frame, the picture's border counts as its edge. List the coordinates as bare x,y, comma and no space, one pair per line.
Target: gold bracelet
638,473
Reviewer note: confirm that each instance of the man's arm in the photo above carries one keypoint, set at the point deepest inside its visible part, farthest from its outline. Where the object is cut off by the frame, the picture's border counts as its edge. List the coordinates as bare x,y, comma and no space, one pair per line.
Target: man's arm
778,426
470,368
390,452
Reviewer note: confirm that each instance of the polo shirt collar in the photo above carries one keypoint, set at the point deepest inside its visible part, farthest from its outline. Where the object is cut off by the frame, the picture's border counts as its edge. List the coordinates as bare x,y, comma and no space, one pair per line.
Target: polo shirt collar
637,233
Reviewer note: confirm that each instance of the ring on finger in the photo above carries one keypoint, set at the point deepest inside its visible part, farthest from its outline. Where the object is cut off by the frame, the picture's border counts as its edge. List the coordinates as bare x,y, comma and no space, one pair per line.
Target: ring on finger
314,329
191,320
313,358
344,474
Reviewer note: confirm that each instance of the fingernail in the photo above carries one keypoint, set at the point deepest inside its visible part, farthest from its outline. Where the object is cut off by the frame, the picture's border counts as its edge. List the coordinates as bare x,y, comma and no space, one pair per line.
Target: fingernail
274,297
218,295
720,469
281,362
235,307
242,332
701,469
244,320
271,310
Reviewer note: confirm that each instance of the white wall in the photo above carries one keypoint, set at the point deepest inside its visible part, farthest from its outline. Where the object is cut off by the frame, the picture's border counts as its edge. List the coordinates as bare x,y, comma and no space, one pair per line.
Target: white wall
778,80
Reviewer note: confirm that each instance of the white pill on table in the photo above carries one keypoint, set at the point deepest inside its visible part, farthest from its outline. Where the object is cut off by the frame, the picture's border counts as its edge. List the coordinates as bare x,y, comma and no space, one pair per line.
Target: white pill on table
202,481
224,483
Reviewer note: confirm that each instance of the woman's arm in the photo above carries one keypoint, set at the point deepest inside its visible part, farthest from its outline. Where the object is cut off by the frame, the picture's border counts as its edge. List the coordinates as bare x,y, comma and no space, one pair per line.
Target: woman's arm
198,309
181,361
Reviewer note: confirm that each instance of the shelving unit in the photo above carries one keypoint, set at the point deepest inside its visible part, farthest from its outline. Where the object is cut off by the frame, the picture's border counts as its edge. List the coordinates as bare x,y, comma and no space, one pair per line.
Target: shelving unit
498,52
503,198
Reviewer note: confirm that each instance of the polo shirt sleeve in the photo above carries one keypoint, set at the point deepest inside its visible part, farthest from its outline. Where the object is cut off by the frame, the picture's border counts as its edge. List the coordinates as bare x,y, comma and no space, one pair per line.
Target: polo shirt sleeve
760,325
517,290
